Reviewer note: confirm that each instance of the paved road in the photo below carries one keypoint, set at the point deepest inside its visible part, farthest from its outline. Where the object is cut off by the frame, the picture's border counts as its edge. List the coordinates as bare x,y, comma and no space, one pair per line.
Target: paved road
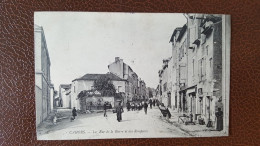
135,124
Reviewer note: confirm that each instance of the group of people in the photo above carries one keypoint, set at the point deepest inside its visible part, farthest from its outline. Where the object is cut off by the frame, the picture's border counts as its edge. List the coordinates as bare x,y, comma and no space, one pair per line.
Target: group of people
140,105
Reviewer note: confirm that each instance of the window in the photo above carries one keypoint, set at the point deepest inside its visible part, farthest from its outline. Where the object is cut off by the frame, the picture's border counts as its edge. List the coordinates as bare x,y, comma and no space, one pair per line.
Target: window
165,87
202,69
119,89
203,38
210,67
207,50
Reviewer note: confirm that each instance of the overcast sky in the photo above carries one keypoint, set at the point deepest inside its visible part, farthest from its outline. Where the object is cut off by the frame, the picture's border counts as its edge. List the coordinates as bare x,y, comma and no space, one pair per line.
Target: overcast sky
86,42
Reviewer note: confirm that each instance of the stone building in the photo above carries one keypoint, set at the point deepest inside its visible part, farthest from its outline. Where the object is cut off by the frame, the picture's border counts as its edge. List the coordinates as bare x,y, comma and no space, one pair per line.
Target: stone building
175,74
43,88
197,66
132,84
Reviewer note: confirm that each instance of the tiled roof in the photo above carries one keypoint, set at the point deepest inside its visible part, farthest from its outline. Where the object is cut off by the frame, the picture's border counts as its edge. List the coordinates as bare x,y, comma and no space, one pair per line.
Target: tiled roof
96,76
65,86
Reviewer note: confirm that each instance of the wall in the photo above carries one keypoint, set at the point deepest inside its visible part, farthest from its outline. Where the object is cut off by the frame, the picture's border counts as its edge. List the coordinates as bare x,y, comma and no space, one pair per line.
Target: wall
117,68
119,83
76,87
42,76
38,102
38,60
66,99
99,101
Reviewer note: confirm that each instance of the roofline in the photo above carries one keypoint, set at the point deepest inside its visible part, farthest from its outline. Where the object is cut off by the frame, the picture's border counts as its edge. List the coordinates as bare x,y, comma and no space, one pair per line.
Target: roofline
174,33
95,79
40,28
183,30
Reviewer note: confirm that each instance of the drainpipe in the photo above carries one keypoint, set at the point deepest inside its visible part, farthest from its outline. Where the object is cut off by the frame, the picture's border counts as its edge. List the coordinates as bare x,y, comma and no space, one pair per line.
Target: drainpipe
187,41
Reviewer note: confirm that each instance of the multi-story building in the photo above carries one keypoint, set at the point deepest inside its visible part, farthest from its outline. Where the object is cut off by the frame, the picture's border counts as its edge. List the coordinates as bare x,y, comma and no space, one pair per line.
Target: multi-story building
43,87
165,75
181,69
197,80
206,41
142,89
124,71
175,84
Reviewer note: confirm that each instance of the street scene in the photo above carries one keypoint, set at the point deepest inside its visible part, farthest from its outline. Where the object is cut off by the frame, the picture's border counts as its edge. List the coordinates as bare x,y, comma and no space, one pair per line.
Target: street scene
131,75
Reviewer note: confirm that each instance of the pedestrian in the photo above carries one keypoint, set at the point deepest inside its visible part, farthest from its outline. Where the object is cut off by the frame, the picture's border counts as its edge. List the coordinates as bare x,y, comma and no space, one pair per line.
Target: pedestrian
133,106
157,102
219,115
119,111
151,103
128,106
145,107
74,113
105,109
154,102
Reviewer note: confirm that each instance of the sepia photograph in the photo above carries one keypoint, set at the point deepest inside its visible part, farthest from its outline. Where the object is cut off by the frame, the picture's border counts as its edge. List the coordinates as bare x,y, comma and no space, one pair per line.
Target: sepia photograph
104,75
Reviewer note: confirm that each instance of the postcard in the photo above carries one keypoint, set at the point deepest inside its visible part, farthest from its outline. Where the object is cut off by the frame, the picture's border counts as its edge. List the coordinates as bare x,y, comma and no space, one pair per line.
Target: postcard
104,75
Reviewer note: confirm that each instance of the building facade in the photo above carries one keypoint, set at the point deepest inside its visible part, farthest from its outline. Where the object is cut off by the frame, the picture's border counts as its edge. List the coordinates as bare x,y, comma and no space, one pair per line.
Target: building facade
86,83
165,75
43,87
133,85
196,69
65,95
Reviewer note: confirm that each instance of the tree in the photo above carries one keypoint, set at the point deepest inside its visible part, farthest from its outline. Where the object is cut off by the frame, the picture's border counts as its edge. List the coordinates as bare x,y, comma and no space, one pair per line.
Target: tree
105,86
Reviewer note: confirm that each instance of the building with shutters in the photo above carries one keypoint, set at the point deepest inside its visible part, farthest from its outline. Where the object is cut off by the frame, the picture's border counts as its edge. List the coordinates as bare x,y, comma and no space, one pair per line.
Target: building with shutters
197,79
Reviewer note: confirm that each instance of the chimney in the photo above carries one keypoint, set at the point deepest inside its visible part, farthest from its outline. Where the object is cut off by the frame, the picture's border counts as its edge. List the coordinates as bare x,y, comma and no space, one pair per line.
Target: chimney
117,59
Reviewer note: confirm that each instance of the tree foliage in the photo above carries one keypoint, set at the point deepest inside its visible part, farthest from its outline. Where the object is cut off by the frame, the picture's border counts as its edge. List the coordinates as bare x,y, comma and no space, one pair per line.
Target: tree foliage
105,86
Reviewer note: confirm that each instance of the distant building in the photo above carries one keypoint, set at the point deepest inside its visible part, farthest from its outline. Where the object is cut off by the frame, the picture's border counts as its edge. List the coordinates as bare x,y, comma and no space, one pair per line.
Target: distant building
86,82
44,90
142,90
165,75
124,71
65,95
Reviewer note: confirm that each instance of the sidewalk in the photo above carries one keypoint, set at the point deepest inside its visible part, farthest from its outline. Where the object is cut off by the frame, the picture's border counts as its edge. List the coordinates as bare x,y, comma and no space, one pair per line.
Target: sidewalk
193,130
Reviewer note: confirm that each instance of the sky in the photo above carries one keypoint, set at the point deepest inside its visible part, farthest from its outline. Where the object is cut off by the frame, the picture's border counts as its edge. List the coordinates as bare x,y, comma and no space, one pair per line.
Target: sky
87,42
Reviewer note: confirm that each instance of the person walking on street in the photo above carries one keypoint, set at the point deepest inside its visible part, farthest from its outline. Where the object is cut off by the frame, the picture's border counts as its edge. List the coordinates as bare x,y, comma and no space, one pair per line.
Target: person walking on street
128,106
105,109
151,103
119,111
74,113
219,116
145,107
154,102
